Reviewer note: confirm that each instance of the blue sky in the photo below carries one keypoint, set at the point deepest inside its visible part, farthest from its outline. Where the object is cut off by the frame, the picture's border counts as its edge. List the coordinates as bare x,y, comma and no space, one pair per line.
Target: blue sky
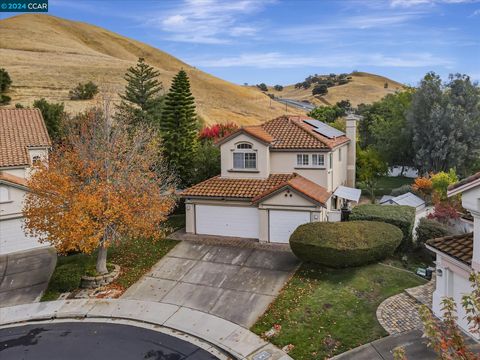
281,42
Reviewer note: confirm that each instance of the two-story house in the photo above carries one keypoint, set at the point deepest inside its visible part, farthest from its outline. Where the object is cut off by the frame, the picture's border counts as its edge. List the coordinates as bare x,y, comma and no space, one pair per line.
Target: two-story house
23,141
274,177
457,256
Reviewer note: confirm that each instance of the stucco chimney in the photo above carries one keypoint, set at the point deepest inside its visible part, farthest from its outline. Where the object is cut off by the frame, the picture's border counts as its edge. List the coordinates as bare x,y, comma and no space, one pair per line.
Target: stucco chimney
351,133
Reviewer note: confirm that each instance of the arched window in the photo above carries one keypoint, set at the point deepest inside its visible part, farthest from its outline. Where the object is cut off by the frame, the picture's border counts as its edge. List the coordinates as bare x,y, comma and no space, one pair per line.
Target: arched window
244,157
244,146
36,160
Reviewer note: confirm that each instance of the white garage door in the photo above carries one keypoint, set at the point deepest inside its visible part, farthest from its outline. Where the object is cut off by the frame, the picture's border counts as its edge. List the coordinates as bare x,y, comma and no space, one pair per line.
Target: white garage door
227,221
284,223
12,237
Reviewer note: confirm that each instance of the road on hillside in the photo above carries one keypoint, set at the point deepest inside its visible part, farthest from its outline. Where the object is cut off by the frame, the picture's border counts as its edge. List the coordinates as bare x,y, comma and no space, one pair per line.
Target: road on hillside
295,104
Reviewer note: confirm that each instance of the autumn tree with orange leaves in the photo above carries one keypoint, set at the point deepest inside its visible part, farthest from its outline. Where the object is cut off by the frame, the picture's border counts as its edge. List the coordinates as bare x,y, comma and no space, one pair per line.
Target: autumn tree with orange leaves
105,184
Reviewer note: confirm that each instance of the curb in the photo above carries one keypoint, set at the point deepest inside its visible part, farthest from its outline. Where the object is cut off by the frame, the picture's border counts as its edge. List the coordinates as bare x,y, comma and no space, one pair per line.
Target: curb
225,335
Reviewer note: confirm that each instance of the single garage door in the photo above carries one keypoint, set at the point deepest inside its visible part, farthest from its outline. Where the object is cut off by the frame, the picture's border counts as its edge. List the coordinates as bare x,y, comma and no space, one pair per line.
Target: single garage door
13,238
284,223
227,221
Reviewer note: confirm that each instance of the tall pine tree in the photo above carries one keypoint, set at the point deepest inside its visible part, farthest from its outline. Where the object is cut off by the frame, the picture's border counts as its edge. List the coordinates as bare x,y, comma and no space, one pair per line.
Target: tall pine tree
179,128
142,101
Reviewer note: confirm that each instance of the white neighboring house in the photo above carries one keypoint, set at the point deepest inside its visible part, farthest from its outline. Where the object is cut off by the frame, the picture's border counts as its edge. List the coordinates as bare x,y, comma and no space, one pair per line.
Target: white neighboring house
407,199
23,140
458,256
275,177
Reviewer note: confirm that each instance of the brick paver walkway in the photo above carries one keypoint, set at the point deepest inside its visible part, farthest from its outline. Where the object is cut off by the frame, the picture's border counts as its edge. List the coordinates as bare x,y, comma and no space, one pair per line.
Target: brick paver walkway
399,313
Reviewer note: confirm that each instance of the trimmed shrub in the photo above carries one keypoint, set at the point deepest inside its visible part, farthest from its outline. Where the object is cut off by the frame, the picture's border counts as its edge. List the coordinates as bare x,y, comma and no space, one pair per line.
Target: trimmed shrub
430,229
345,244
401,216
401,190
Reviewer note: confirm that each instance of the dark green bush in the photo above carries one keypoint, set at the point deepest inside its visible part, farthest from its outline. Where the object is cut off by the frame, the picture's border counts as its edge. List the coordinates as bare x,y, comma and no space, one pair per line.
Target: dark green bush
345,244
430,229
401,216
401,190
84,91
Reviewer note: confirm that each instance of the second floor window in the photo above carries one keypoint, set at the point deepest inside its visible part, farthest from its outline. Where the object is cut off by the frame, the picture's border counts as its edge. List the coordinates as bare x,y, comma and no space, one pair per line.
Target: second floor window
244,157
310,160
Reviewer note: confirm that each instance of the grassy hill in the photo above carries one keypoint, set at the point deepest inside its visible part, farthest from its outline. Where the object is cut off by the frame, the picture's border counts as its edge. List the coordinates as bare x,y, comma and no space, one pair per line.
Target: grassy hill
46,56
363,88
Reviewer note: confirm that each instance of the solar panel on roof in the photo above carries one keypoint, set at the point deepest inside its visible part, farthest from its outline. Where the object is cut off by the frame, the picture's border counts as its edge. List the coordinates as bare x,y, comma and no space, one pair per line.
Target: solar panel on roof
324,129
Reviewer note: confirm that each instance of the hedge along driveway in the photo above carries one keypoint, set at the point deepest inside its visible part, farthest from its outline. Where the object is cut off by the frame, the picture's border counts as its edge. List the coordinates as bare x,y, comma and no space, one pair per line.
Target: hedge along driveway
344,244
398,215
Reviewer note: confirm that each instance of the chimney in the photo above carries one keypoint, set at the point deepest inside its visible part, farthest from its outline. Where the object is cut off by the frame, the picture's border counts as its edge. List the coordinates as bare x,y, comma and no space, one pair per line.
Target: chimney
351,133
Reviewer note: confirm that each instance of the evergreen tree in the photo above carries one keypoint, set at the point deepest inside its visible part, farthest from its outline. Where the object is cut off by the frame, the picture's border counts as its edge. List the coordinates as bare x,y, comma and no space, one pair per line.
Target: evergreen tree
53,114
142,101
179,128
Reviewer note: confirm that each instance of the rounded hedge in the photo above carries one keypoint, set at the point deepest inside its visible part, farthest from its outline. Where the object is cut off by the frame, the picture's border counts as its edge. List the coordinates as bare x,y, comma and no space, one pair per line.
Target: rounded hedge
345,244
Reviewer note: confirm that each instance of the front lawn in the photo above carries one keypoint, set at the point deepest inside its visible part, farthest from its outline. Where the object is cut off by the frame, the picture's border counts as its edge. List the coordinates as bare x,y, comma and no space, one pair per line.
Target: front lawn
135,257
386,184
324,312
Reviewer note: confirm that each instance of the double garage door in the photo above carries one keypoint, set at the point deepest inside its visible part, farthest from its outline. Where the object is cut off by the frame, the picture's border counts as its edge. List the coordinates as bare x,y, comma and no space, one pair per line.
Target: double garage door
13,238
244,222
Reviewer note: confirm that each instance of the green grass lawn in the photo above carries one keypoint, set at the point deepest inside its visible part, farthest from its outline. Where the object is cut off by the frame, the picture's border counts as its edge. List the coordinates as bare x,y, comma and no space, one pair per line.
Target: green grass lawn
386,184
323,312
135,257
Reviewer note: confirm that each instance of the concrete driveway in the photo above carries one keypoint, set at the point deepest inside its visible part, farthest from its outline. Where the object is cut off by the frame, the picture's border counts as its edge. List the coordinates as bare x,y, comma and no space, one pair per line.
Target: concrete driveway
234,283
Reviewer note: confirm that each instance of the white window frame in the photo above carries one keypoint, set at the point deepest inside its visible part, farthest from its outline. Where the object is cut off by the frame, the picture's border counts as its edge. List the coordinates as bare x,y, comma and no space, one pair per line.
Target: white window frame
248,154
330,161
304,160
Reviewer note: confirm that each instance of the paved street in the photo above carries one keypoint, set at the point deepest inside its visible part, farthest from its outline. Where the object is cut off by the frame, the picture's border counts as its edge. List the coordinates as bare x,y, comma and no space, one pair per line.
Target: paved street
236,284
76,341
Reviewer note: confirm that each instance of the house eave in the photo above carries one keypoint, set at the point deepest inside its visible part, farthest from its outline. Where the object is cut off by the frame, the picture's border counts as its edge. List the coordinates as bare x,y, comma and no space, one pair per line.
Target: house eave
457,262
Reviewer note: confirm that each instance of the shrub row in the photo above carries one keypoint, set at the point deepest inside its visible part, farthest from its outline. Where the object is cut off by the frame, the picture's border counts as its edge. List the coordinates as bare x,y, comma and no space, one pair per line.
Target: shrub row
401,216
430,229
345,244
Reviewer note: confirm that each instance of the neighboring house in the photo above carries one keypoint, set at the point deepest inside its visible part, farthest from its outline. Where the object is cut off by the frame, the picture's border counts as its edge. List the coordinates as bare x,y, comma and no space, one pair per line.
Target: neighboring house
458,256
407,199
23,141
275,177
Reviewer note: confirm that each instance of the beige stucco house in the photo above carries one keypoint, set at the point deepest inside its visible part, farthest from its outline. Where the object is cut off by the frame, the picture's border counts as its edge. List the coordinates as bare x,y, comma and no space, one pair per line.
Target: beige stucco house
274,177
457,256
23,140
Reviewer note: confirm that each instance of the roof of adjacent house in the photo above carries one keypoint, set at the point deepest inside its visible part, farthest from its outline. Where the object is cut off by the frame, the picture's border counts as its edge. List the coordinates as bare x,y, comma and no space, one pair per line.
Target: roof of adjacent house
256,189
459,247
407,199
6,177
463,184
19,130
290,132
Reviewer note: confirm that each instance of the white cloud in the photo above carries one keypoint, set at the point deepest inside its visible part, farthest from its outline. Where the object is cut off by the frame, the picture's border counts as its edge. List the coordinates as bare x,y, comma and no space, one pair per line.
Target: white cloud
475,13
207,21
280,60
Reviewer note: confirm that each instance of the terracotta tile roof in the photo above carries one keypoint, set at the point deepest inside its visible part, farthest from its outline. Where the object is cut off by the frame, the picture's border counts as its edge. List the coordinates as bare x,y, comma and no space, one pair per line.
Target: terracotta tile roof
459,247
464,182
235,188
256,189
302,185
12,179
289,132
20,129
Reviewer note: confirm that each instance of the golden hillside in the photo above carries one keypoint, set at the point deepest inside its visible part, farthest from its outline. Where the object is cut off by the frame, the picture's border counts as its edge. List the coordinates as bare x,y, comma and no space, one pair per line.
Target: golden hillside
46,56
363,88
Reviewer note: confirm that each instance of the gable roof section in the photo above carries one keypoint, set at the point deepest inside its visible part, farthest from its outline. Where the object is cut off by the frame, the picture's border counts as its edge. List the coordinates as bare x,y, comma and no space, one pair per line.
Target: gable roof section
459,247
289,132
256,189
12,179
303,186
19,130
465,184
